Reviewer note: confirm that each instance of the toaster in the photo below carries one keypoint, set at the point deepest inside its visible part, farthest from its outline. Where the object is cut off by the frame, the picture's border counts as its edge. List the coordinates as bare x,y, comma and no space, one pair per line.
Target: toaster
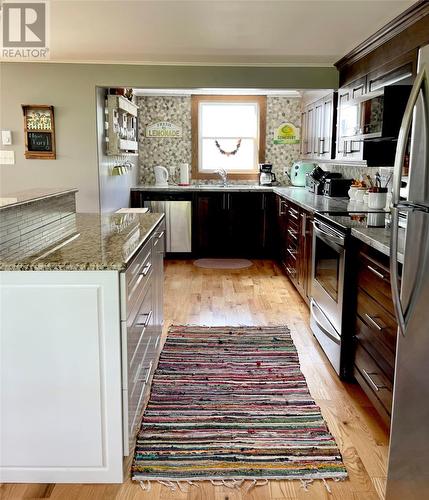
316,186
337,187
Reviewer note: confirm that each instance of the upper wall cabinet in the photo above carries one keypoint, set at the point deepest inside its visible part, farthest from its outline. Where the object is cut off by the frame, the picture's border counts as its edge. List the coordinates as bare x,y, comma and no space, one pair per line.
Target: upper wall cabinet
348,120
121,126
317,122
373,87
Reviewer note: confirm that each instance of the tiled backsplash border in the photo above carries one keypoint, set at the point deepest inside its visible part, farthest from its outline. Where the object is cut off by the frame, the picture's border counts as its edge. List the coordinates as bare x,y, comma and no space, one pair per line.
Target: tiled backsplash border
29,227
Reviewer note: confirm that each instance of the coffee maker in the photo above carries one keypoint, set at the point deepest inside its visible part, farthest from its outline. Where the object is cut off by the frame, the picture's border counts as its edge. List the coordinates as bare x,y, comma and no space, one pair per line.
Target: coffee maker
266,176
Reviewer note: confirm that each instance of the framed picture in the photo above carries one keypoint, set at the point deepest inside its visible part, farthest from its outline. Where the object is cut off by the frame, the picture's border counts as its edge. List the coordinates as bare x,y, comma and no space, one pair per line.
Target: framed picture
39,131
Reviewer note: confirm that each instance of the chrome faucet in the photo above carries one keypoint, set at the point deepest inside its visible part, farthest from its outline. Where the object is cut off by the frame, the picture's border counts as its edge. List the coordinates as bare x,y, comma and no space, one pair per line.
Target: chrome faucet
223,175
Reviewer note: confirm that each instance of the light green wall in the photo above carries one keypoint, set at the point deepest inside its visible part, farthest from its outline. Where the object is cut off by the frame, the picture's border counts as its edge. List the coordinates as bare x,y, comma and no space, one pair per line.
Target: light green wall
71,89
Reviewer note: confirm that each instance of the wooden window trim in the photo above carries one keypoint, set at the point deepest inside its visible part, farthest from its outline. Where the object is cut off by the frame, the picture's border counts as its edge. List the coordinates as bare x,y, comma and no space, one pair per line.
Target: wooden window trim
195,100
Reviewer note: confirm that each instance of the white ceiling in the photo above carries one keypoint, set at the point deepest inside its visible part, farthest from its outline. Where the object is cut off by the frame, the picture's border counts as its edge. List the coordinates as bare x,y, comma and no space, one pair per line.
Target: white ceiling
247,32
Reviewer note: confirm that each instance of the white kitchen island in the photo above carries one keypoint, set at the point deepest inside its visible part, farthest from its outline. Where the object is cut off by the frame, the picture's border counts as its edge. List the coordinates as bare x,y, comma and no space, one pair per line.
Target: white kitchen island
80,335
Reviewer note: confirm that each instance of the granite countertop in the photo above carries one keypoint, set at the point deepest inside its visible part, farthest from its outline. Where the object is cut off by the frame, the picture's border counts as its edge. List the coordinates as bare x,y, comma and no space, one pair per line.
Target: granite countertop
313,202
94,242
30,195
175,188
379,239
299,195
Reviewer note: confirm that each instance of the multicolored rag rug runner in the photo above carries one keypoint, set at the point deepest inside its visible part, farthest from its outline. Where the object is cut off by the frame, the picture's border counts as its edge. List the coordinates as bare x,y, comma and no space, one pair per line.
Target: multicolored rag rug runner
231,403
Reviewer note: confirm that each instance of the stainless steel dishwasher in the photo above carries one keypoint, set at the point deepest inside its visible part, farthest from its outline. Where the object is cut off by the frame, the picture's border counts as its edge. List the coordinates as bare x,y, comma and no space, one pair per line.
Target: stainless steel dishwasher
178,222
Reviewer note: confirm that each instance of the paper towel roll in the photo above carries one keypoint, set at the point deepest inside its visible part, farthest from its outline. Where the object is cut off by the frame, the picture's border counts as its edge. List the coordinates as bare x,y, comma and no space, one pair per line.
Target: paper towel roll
184,174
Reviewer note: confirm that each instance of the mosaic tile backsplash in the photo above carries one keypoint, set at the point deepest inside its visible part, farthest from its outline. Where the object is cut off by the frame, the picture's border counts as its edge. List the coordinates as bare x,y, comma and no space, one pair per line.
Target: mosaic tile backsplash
279,110
171,152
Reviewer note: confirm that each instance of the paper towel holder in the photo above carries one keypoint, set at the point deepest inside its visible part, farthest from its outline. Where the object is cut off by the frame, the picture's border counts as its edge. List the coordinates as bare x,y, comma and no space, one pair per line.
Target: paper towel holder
184,174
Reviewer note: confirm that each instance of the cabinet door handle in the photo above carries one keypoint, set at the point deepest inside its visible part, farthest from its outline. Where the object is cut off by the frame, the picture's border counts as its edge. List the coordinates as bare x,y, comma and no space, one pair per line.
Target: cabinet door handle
371,381
373,322
292,253
136,376
293,213
158,239
225,201
292,234
377,273
303,224
148,372
137,283
281,204
146,321
146,269
290,270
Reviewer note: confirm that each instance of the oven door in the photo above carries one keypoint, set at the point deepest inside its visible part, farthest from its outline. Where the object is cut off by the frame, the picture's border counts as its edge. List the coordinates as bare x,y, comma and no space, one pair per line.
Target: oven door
328,271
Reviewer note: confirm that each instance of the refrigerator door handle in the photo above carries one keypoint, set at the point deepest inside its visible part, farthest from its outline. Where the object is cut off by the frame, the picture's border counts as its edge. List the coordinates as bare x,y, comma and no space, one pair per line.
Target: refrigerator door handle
395,285
421,84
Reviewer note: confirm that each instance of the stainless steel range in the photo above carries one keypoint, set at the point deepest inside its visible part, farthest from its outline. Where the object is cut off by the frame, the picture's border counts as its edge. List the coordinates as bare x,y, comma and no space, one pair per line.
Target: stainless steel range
332,302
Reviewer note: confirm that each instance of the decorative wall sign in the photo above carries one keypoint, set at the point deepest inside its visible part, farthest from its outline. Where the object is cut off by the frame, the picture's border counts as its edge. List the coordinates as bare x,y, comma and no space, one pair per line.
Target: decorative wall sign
39,131
163,130
39,141
287,133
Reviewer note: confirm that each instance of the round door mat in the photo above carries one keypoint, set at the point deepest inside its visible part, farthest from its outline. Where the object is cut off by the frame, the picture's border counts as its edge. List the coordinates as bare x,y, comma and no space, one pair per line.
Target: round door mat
223,263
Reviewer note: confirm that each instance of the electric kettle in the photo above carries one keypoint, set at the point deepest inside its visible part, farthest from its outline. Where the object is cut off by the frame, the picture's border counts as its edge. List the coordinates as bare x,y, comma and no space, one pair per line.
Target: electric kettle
161,176
299,170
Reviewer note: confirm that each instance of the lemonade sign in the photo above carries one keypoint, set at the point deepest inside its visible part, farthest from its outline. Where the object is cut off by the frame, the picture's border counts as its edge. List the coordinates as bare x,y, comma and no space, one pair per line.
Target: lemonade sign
163,130
287,133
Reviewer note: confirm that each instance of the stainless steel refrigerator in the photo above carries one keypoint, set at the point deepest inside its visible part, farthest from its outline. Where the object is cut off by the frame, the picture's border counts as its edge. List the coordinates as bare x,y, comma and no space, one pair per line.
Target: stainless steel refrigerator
408,472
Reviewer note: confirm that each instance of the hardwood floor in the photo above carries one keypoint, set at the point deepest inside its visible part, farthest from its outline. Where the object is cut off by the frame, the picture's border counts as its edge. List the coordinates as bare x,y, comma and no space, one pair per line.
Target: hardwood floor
258,295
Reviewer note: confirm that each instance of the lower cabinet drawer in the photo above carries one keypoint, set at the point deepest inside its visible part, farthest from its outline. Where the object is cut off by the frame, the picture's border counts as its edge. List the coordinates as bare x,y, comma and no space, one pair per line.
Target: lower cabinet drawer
139,333
374,278
376,331
135,411
137,277
373,381
138,398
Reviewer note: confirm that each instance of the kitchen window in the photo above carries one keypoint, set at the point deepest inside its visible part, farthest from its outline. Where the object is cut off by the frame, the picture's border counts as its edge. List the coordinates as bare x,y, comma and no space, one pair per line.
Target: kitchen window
228,132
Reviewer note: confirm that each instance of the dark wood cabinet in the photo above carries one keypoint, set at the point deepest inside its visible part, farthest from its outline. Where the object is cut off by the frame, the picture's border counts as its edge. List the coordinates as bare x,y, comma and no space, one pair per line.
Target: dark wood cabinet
224,223
231,224
295,244
212,236
247,223
375,330
307,259
389,57
390,47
